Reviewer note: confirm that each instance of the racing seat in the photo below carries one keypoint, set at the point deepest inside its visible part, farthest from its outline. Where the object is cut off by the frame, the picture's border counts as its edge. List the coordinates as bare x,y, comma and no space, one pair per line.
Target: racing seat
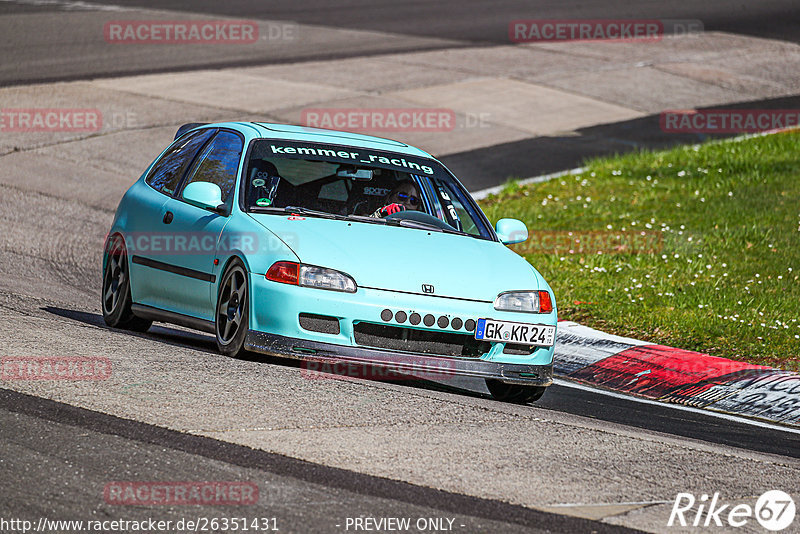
366,197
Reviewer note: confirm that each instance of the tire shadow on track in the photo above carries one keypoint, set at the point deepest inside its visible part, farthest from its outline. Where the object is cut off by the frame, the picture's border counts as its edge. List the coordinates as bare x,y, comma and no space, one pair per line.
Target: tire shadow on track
179,337
162,333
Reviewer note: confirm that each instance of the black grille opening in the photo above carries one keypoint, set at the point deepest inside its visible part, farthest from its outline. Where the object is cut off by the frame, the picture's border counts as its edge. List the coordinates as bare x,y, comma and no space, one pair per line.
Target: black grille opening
420,341
323,324
520,350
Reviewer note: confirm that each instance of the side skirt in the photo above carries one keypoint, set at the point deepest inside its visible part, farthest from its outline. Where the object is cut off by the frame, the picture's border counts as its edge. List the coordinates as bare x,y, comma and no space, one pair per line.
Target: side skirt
156,314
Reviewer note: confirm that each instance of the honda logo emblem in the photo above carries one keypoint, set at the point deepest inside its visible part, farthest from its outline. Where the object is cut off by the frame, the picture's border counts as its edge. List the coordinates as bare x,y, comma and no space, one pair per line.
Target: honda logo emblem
427,288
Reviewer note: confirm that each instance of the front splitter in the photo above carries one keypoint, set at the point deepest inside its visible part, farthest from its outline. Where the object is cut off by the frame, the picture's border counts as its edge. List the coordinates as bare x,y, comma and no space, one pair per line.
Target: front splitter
412,364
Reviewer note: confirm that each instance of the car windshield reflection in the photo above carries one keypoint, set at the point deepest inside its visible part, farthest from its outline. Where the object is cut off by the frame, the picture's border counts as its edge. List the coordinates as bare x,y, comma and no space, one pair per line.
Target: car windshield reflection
354,183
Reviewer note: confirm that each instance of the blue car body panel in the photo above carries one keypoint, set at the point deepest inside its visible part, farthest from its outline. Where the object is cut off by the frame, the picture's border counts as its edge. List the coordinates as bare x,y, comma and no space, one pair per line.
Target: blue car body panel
389,264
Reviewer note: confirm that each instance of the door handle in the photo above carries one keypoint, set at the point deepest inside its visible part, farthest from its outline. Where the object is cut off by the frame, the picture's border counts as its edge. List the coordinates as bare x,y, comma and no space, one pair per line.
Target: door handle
168,217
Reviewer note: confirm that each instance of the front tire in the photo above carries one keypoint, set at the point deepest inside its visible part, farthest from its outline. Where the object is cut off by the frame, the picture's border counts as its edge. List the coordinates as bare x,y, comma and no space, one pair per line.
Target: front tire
513,392
232,319
116,298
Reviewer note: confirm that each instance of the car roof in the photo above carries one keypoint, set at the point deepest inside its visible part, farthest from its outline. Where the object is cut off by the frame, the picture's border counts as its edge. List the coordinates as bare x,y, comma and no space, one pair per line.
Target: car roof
319,135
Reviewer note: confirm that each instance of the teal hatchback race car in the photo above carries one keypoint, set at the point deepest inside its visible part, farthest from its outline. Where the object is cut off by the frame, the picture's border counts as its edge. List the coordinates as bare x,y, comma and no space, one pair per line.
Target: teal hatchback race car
328,246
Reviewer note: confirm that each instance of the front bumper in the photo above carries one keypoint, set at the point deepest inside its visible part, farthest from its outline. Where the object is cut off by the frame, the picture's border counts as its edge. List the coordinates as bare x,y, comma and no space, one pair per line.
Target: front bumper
275,309
412,364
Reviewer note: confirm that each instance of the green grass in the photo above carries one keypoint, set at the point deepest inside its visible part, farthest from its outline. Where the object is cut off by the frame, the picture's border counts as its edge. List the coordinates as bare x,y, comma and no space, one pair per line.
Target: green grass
724,276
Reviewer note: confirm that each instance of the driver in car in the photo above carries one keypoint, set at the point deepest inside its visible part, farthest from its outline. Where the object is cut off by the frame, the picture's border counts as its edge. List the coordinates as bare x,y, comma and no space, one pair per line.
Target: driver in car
403,197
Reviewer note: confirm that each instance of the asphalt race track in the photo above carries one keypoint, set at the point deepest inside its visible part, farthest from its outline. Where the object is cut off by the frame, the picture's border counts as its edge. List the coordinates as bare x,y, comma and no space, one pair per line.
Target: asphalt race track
50,51
296,493
325,450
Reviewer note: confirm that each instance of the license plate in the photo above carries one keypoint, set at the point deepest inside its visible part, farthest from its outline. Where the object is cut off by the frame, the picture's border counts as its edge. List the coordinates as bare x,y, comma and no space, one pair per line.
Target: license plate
540,335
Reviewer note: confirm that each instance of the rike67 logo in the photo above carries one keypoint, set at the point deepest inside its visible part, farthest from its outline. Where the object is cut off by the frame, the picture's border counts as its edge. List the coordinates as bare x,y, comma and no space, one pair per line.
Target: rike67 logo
774,510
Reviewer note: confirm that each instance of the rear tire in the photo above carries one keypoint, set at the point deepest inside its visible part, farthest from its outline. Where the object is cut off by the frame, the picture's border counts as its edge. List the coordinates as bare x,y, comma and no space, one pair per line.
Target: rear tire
116,297
513,392
231,319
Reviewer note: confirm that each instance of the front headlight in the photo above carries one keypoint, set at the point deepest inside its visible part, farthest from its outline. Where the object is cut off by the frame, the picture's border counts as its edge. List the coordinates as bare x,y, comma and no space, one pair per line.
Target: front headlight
322,278
289,272
524,301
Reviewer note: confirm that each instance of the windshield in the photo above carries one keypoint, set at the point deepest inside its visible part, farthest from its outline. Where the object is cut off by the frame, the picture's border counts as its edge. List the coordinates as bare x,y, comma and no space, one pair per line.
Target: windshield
359,184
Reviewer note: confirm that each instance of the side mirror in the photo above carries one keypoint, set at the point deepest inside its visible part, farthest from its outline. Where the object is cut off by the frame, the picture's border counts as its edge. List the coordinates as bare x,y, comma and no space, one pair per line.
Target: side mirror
204,195
511,231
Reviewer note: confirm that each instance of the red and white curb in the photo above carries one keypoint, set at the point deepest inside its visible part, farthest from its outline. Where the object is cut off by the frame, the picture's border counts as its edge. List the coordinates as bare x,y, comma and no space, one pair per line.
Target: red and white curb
671,375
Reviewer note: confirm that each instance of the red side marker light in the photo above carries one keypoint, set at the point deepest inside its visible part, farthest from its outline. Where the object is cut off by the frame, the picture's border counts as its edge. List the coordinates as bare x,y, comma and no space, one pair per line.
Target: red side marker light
545,304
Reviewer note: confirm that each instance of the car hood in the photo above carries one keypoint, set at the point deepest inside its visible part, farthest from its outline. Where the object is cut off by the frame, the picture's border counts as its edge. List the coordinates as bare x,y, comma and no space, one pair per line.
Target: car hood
403,259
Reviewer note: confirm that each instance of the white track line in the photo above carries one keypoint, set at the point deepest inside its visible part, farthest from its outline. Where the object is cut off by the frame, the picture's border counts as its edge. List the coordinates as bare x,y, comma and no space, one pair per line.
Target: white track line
634,503
69,5
483,193
709,412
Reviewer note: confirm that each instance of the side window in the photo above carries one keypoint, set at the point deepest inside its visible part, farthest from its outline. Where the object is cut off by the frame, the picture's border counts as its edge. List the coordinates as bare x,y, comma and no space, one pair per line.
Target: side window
168,171
219,163
456,213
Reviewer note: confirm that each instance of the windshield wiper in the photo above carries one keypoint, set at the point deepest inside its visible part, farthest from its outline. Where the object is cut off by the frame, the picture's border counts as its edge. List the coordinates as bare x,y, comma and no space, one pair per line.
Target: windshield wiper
420,225
410,223
405,223
297,210
366,219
